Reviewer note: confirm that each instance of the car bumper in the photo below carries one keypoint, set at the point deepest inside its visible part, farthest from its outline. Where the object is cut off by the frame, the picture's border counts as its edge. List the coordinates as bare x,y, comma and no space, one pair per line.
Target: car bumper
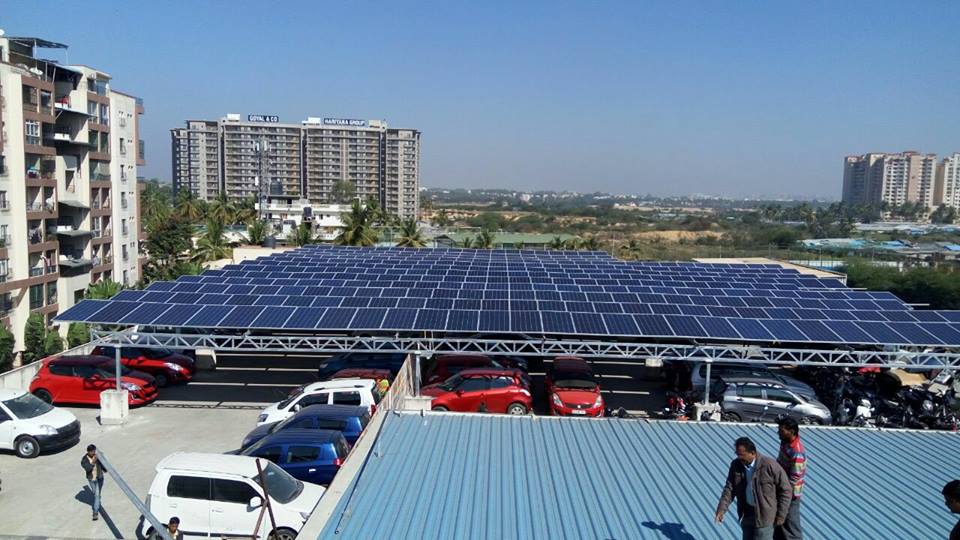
66,436
570,411
143,397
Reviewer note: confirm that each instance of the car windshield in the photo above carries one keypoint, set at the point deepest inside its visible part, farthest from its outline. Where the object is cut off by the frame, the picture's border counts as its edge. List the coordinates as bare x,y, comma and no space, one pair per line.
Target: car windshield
578,382
27,406
451,383
283,404
282,487
157,353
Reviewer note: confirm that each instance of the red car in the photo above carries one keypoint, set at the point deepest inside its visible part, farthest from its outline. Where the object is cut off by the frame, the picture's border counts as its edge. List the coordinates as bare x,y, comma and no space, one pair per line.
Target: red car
482,390
448,365
80,379
166,366
572,389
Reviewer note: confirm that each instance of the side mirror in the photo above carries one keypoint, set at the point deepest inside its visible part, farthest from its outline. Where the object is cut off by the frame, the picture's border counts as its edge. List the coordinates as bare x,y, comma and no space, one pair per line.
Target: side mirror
255,502
297,407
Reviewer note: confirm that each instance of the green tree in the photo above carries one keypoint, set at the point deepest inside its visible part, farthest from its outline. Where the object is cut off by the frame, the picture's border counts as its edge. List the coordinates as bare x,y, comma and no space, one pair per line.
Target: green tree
358,225
156,201
77,334
301,236
556,243
257,232
52,343
411,235
591,244
168,242
189,207
102,290
343,192
222,210
7,342
34,339
441,218
944,214
485,240
246,210
212,246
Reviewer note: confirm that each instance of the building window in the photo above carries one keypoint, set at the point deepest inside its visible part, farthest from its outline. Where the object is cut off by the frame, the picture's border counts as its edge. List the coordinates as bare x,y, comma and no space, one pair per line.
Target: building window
123,146
92,108
36,296
32,131
126,278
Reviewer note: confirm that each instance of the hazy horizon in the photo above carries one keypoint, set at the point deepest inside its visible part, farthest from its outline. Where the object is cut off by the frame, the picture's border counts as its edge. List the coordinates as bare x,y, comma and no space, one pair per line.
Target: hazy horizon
620,97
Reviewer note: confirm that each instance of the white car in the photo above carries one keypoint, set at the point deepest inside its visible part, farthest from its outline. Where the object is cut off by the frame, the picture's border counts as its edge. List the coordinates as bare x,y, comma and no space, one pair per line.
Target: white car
218,495
336,392
29,424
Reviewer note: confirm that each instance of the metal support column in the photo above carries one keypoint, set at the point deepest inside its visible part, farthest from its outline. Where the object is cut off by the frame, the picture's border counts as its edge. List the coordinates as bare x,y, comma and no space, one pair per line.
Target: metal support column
416,375
116,357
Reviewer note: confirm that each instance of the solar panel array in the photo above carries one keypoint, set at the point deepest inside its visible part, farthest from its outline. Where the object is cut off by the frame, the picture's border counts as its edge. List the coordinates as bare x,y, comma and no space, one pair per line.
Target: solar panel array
568,293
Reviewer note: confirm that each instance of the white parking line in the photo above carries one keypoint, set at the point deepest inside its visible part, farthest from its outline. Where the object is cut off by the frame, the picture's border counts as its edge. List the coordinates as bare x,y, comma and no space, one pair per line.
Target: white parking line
631,392
196,383
304,370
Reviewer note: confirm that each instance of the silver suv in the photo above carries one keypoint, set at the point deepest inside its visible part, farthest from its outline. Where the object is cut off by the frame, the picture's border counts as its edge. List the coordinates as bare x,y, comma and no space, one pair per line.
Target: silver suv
752,401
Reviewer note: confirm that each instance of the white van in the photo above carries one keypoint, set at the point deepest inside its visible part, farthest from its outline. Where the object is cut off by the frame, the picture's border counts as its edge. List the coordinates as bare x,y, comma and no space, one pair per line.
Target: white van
218,495
29,424
336,392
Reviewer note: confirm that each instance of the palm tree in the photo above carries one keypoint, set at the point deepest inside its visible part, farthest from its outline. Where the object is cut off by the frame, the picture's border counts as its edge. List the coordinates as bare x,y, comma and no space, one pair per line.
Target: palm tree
300,236
411,235
358,228
590,244
102,290
257,232
556,243
246,211
222,210
190,207
441,219
212,246
484,240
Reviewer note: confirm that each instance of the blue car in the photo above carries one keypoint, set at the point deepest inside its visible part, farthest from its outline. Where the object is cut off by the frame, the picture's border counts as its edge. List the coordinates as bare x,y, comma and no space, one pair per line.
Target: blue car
391,361
348,419
311,455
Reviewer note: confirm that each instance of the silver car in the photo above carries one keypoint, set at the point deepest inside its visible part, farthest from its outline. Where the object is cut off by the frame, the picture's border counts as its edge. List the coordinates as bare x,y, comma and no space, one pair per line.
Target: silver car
750,401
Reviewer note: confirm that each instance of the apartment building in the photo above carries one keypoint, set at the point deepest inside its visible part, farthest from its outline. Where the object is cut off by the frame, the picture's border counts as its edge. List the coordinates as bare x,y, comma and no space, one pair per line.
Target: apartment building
948,181
305,161
875,178
69,152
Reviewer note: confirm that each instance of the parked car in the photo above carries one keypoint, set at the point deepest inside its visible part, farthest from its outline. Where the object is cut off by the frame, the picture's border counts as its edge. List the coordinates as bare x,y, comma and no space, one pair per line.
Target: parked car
347,419
222,495
311,455
389,361
746,400
572,389
339,392
80,379
482,390
698,376
448,365
29,425
165,365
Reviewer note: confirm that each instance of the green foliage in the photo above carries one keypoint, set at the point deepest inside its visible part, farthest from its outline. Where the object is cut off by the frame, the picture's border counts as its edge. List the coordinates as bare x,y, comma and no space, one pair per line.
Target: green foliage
411,235
77,334
52,343
190,208
168,242
301,236
359,225
441,218
102,290
221,211
939,288
944,214
488,220
7,342
212,246
556,243
484,240
246,210
156,202
257,232
343,192
34,339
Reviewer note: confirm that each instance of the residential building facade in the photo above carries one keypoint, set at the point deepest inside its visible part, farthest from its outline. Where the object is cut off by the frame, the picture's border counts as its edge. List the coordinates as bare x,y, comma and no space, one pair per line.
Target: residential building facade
69,152
948,181
895,179
262,157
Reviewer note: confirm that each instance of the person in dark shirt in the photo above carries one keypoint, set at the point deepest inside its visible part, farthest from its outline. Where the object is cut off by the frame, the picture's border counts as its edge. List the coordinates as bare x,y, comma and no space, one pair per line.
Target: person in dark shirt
951,496
94,471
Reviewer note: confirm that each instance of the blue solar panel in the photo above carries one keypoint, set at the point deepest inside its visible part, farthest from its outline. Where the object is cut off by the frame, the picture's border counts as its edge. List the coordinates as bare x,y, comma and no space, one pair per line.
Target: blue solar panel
685,326
273,317
880,332
623,325
368,318
241,317
653,325
557,322
816,331
305,318
337,318
209,316
145,314
751,329
84,309
400,319
783,330
914,333
463,320
430,319
850,332
495,321
718,327
526,321
588,323
112,312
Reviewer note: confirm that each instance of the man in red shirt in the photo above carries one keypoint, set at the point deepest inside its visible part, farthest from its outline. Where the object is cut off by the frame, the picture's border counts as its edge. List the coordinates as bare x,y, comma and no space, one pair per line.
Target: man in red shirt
793,459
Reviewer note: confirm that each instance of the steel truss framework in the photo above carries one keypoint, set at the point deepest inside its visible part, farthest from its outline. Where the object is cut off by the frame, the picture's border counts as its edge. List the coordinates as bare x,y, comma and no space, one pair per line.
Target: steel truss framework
427,346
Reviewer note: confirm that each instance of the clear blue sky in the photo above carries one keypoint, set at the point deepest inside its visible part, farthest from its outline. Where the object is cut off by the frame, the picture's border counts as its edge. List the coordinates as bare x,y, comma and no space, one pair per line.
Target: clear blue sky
738,98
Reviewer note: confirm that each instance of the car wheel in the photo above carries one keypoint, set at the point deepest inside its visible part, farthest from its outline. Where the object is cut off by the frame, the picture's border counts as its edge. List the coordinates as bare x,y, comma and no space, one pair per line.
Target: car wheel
44,396
516,408
27,447
161,380
440,408
810,421
730,417
283,533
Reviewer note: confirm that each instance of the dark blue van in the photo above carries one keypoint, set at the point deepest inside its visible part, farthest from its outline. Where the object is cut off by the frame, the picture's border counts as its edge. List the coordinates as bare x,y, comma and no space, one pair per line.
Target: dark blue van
311,455
349,419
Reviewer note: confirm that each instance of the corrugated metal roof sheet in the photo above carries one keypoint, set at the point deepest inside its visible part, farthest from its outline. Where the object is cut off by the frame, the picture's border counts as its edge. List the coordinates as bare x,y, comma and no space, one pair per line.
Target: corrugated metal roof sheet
442,476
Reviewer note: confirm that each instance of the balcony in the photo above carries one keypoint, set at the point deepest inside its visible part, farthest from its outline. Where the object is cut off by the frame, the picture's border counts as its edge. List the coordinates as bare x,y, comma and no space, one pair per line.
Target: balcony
74,260
105,261
141,151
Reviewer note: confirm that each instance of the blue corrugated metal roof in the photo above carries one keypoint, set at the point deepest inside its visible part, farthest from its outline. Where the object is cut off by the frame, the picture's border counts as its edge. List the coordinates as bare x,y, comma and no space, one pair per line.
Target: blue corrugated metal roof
473,476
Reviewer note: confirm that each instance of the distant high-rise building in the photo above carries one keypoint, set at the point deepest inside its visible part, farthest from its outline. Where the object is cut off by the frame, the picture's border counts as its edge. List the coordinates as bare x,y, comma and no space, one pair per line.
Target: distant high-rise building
306,161
875,178
948,181
69,151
